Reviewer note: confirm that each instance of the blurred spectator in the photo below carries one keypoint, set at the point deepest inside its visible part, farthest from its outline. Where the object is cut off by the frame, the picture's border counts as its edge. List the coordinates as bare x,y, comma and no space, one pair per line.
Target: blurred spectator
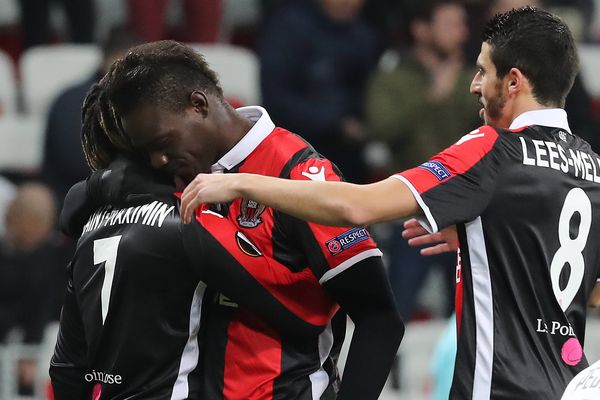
35,21
417,107
423,103
32,279
7,193
386,17
64,163
202,20
578,14
316,56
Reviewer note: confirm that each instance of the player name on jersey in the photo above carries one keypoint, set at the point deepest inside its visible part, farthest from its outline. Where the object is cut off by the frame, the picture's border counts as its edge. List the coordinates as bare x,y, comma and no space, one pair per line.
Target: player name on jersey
152,214
552,155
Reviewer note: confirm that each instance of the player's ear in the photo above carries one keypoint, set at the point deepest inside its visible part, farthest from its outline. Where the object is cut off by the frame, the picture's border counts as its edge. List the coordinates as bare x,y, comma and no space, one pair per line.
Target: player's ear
516,81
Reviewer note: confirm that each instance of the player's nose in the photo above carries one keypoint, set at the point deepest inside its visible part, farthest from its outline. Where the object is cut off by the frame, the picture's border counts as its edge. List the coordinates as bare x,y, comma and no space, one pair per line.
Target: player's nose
475,87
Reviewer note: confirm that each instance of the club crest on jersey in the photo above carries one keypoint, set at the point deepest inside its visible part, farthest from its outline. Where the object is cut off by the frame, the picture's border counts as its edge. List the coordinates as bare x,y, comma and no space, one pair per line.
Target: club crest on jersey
250,212
347,240
437,169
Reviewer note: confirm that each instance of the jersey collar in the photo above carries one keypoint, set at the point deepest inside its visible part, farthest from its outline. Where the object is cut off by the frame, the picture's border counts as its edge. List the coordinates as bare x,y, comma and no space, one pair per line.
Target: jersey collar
263,126
553,117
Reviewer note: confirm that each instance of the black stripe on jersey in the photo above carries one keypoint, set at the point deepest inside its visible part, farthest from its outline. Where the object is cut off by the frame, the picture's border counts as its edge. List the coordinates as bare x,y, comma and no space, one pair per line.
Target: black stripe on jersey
291,257
465,362
297,261
197,376
294,355
220,317
304,155
297,354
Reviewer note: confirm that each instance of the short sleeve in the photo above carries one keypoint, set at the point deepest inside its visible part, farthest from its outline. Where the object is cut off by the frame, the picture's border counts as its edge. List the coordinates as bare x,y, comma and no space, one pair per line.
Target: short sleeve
330,250
457,184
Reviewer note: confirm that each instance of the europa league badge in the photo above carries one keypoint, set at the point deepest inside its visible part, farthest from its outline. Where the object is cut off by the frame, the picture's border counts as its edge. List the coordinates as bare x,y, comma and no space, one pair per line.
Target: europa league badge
250,212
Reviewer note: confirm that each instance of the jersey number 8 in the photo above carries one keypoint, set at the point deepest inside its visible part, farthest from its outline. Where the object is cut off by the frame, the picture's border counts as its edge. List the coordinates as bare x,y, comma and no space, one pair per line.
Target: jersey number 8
570,251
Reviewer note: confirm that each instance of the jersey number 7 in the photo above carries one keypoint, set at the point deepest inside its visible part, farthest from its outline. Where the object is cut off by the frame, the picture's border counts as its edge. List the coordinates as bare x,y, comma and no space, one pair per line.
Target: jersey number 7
105,251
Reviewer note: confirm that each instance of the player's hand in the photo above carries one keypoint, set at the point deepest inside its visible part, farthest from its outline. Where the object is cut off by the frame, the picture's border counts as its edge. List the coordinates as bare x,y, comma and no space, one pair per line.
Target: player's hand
207,188
444,241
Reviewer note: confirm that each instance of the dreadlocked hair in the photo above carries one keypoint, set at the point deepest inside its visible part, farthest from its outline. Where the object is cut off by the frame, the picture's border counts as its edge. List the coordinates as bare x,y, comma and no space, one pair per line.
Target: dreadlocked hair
162,74
102,136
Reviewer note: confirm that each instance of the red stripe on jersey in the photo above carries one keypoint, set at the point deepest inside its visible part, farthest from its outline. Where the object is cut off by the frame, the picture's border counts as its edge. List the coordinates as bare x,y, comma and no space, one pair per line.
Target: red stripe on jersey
300,292
458,295
269,158
457,159
244,378
273,153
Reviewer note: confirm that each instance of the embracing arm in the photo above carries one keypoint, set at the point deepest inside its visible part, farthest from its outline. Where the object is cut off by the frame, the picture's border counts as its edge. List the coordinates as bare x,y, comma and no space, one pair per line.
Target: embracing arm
327,203
364,293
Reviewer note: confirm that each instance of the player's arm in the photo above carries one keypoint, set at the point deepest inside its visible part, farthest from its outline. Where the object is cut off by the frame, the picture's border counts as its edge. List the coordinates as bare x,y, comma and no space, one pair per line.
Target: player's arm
68,364
228,261
364,293
327,203
454,186
594,300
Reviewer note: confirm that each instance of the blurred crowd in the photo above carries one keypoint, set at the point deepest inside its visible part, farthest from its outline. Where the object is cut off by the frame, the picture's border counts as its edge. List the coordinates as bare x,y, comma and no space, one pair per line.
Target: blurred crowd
377,86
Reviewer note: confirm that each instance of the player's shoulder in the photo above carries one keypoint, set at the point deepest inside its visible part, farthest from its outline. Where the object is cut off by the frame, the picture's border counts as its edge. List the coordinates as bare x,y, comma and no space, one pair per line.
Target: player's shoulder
475,144
286,142
281,147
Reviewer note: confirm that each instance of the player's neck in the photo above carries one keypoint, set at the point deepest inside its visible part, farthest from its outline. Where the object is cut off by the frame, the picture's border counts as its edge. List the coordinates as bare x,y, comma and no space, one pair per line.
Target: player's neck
522,105
233,127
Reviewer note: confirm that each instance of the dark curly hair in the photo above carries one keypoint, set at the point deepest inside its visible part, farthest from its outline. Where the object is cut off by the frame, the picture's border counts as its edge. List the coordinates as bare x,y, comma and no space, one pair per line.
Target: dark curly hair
162,73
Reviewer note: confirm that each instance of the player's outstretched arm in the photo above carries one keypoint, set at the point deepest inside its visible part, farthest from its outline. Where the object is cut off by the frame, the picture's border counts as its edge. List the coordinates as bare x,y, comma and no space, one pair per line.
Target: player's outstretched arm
327,203
364,293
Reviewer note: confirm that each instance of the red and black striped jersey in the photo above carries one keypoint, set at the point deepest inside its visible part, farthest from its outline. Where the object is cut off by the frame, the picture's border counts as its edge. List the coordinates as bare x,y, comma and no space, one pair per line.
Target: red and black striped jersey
130,323
248,359
525,202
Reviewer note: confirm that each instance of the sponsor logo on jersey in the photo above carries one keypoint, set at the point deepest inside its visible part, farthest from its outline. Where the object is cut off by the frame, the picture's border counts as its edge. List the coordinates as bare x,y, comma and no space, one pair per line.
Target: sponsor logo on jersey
246,245
103,377
250,212
562,135
437,169
347,240
554,328
315,174
470,136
